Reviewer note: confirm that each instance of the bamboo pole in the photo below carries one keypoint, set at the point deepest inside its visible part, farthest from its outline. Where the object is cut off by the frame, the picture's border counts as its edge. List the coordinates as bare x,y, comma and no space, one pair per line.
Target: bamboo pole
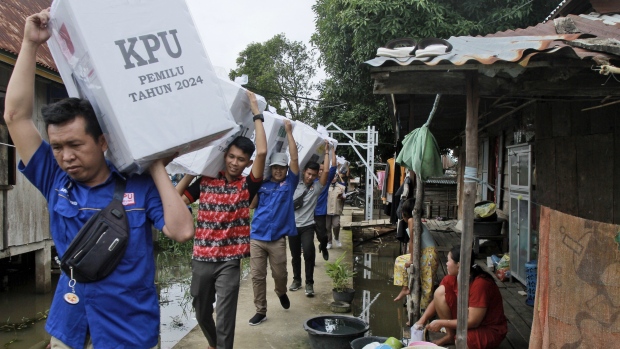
469,200
414,280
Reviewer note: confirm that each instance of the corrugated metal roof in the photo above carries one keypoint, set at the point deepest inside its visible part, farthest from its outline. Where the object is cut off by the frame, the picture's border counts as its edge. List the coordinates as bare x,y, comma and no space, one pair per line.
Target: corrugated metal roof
520,45
605,6
13,14
441,180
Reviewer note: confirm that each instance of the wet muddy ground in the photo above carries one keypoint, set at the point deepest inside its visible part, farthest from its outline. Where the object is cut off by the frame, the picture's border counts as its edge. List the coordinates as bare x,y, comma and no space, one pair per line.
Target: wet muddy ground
23,311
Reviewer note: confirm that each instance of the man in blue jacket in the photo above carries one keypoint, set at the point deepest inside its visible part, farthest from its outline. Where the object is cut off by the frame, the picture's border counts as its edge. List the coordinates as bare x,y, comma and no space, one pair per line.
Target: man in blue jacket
121,310
274,219
320,212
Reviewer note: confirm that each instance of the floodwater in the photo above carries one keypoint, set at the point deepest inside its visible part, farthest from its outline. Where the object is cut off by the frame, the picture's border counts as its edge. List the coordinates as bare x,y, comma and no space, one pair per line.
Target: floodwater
375,290
23,311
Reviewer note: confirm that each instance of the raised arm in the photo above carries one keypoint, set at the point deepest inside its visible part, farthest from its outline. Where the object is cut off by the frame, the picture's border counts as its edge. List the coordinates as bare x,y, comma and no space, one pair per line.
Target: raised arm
179,223
260,139
182,185
20,91
292,147
325,174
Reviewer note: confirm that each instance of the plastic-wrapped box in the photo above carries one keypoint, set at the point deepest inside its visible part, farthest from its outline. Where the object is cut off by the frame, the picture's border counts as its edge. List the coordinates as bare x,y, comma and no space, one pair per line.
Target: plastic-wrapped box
142,66
310,144
208,161
276,139
238,101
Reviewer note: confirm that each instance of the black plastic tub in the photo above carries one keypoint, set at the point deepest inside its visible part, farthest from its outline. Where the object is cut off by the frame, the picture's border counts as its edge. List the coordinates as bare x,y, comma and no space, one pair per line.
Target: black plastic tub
334,331
489,228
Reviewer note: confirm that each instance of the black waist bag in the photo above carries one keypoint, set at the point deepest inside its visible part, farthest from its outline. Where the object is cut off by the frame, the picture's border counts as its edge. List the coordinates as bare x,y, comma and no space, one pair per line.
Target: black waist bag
100,245
299,202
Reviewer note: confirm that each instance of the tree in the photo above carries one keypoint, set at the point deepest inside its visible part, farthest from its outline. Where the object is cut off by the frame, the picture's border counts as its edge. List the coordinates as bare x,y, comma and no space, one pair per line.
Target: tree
281,71
348,32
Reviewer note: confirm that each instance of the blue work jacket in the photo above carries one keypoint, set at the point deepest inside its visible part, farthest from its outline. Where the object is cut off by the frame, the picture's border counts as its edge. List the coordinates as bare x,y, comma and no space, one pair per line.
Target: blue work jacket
122,310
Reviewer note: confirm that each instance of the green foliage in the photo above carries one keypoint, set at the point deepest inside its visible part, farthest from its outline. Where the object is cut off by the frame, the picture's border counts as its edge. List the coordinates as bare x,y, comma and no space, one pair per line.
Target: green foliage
169,248
348,33
281,71
340,273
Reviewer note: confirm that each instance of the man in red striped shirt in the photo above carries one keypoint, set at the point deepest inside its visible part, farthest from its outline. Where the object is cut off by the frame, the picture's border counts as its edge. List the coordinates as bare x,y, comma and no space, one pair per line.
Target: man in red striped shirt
223,233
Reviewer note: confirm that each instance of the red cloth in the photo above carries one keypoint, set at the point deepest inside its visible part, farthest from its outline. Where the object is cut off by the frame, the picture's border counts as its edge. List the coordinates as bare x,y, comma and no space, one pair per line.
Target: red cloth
578,287
483,293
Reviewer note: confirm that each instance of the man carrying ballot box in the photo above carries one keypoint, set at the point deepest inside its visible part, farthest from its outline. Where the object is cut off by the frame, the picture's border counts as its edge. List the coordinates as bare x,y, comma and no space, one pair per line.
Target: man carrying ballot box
122,309
274,219
223,232
307,191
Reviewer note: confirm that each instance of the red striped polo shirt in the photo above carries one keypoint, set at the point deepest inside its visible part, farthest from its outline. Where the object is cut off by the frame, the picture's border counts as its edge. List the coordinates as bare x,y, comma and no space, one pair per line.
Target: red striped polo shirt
223,220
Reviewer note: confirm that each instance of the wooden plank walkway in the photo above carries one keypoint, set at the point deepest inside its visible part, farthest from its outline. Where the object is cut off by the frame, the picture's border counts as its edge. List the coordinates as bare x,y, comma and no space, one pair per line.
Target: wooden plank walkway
519,314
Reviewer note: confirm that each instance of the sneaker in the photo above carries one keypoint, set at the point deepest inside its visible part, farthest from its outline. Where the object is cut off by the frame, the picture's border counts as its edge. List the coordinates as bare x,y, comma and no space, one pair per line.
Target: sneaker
257,319
309,290
296,285
337,243
286,303
329,246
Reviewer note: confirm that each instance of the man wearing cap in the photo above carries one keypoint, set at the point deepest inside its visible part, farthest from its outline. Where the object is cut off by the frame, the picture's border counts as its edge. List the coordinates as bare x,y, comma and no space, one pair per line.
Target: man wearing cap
274,219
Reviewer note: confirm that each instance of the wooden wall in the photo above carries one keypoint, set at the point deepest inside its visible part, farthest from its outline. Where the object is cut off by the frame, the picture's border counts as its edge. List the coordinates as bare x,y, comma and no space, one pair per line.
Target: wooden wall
24,219
578,159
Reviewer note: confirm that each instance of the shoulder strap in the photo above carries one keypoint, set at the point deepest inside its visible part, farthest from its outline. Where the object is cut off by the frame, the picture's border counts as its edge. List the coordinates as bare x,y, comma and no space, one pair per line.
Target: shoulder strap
119,189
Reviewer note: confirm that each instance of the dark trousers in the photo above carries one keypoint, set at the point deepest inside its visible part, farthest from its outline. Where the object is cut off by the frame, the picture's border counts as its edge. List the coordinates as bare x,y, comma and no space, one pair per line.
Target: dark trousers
305,240
209,279
321,231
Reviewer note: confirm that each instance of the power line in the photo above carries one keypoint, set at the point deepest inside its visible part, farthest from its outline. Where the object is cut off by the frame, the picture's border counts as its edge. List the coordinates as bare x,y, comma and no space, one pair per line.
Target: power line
279,94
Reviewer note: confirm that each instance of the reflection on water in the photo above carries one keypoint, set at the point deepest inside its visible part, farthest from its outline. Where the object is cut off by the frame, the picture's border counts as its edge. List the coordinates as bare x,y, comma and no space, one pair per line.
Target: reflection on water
336,325
339,326
173,279
20,305
374,264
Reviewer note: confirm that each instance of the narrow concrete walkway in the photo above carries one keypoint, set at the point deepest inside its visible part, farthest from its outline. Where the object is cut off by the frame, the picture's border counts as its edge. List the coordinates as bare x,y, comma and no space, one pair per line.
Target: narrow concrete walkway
283,328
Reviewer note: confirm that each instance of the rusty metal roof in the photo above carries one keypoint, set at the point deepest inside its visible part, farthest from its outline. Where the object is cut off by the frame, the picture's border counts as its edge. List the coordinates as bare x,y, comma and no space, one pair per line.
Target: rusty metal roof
445,180
522,44
605,6
13,14
566,7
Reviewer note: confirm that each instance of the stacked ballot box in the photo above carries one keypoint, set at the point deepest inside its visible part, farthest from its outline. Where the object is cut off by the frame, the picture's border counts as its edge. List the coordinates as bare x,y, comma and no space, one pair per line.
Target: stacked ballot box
209,161
238,101
310,144
143,67
276,139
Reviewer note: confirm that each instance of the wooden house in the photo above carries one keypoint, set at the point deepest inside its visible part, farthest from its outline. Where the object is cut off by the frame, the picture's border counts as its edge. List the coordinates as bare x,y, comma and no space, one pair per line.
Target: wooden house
547,118
24,220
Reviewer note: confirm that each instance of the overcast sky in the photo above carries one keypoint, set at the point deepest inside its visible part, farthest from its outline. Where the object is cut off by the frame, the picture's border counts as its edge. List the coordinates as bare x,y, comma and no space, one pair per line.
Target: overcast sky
228,26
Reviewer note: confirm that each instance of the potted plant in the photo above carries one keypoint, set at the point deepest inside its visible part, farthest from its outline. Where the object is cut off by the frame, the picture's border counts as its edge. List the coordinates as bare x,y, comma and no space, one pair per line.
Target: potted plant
341,275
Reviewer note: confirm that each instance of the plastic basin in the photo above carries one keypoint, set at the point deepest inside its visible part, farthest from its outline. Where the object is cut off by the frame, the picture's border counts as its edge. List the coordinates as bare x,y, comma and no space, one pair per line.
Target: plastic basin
334,331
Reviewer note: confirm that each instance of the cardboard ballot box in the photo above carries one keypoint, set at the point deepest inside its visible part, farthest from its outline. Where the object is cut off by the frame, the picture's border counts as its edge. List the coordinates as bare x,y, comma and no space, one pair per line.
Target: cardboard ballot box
143,67
208,161
238,101
310,144
276,139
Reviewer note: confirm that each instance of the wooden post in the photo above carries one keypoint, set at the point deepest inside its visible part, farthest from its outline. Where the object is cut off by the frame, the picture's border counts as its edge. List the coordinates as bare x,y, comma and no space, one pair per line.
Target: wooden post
414,280
469,200
43,269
